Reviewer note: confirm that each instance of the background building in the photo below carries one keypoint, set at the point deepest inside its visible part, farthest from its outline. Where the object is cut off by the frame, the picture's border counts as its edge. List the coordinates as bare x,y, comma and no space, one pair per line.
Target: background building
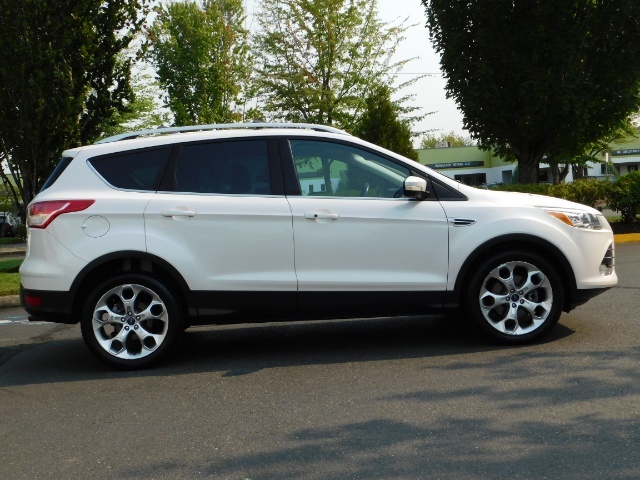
475,167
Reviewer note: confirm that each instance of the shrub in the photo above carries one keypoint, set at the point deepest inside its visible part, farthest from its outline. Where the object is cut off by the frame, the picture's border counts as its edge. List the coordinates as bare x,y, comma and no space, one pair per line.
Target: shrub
537,188
587,191
624,196
20,231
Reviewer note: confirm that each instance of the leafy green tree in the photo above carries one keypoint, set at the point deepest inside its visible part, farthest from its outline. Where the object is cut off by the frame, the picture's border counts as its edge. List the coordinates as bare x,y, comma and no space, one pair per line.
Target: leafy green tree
62,77
536,77
590,153
319,60
143,112
381,124
430,140
201,54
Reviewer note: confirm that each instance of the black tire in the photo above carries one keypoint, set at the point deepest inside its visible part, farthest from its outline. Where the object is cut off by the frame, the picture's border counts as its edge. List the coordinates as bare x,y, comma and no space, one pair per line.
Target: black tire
131,321
514,297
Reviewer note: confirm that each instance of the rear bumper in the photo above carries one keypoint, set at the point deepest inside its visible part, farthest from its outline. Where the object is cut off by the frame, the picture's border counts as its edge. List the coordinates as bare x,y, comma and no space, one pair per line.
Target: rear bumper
47,306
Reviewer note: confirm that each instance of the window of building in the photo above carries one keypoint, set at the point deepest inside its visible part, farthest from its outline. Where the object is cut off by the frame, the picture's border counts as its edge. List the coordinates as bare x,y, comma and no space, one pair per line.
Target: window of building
474,179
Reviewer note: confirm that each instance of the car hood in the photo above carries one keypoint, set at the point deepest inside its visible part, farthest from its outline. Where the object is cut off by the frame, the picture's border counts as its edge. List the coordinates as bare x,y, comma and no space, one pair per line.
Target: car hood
533,200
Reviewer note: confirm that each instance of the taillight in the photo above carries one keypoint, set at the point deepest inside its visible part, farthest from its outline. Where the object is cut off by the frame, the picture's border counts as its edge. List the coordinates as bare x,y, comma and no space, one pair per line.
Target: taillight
41,214
33,301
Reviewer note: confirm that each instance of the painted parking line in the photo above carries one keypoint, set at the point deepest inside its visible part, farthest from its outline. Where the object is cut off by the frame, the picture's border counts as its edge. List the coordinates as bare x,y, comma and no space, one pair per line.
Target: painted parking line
20,321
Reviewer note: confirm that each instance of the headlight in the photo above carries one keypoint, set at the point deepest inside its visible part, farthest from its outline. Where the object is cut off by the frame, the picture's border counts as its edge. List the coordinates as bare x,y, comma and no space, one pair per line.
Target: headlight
577,218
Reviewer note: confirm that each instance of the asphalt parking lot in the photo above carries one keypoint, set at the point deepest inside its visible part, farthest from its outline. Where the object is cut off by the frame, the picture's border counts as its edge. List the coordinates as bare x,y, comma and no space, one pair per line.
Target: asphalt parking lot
408,398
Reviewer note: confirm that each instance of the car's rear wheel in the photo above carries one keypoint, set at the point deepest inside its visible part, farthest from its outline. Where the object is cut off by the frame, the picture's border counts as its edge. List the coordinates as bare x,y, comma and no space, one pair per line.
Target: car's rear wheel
131,321
515,297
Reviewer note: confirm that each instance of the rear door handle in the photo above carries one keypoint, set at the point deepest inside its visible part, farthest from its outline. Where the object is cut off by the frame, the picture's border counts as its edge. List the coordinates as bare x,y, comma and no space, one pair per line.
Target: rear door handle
177,212
321,216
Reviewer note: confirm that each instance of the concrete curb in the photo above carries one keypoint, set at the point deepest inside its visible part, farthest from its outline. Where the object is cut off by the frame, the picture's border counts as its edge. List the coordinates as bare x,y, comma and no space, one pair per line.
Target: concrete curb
10,301
627,237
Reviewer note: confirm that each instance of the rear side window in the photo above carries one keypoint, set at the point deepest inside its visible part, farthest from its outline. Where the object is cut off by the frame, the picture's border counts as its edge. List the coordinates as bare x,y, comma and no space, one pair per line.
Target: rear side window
64,163
134,170
234,167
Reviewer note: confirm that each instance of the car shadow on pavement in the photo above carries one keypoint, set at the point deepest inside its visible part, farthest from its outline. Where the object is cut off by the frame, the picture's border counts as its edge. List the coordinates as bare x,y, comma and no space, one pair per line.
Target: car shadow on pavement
236,350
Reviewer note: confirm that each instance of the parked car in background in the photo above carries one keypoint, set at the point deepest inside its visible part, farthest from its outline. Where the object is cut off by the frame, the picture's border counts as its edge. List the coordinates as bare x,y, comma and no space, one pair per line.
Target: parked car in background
148,233
7,222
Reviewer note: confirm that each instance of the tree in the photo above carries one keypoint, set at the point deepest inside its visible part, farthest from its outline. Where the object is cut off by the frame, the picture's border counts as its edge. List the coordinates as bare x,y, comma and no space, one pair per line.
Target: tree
201,54
61,78
143,112
430,140
536,77
381,124
320,60
590,153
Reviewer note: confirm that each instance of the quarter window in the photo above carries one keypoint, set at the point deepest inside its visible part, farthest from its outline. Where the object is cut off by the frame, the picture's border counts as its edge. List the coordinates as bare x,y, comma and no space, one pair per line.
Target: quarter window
334,169
136,170
238,167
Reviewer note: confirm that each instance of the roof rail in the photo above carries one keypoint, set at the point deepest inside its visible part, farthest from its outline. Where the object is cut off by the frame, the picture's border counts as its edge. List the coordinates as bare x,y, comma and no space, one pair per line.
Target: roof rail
220,126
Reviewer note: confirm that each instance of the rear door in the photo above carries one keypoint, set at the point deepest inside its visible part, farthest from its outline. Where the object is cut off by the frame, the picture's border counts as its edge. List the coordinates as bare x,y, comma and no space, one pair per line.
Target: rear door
226,226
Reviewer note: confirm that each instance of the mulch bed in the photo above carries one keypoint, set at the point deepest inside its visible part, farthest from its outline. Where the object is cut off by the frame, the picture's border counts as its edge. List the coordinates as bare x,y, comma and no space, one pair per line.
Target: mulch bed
624,227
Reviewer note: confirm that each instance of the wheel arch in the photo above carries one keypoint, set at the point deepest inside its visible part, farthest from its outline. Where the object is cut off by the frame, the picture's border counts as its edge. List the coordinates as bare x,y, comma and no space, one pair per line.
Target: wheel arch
513,242
132,261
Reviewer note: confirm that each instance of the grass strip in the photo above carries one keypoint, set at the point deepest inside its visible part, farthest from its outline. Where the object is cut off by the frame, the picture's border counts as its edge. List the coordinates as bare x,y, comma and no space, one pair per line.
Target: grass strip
9,284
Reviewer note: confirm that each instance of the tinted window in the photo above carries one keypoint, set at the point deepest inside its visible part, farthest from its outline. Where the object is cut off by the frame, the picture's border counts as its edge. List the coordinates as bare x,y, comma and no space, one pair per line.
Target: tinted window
237,167
136,170
334,169
446,193
64,163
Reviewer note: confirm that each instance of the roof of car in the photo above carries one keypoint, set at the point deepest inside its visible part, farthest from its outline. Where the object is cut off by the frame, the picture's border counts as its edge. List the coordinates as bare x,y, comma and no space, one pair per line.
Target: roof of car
221,126
171,135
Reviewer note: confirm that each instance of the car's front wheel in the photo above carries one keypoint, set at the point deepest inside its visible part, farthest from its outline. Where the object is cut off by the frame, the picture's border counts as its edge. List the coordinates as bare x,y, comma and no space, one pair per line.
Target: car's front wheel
515,297
131,321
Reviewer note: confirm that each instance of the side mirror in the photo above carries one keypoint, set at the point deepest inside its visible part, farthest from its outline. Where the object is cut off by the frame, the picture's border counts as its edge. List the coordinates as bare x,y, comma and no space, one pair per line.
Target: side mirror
415,187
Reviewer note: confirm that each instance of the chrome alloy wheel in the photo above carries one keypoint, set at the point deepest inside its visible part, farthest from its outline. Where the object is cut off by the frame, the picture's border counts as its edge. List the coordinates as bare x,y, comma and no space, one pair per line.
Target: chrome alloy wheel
130,321
516,298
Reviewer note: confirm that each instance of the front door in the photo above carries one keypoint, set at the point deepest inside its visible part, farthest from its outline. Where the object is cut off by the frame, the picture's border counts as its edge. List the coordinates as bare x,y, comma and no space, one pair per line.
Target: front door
359,245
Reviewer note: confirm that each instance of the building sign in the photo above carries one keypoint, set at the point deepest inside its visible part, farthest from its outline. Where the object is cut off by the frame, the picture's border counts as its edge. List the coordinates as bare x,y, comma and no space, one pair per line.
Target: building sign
458,164
630,151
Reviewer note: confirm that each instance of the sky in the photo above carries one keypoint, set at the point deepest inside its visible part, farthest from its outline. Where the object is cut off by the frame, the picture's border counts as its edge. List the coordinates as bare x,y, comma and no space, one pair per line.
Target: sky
429,91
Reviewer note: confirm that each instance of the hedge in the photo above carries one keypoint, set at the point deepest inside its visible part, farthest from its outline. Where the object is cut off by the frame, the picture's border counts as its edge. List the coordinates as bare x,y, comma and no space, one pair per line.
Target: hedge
621,196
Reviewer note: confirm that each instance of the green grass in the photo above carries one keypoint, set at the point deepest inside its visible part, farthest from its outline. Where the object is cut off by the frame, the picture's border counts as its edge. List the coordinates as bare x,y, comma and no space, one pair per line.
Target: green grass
10,240
9,276
9,284
11,265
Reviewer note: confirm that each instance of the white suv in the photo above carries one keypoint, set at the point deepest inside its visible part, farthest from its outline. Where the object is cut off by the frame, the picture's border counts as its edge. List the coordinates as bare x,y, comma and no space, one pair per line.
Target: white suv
138,238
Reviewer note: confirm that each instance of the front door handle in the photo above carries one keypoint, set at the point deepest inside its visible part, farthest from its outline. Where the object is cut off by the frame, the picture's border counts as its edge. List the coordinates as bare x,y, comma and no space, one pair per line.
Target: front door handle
321,216
177,212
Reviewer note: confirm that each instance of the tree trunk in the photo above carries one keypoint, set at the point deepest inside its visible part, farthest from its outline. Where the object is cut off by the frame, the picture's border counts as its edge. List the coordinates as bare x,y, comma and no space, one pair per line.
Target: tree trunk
578,171
564,172
528,170
529,159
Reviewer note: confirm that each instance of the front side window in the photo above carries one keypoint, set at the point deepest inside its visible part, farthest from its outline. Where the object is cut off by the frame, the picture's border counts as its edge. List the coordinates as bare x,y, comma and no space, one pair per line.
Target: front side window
338,170
235,167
